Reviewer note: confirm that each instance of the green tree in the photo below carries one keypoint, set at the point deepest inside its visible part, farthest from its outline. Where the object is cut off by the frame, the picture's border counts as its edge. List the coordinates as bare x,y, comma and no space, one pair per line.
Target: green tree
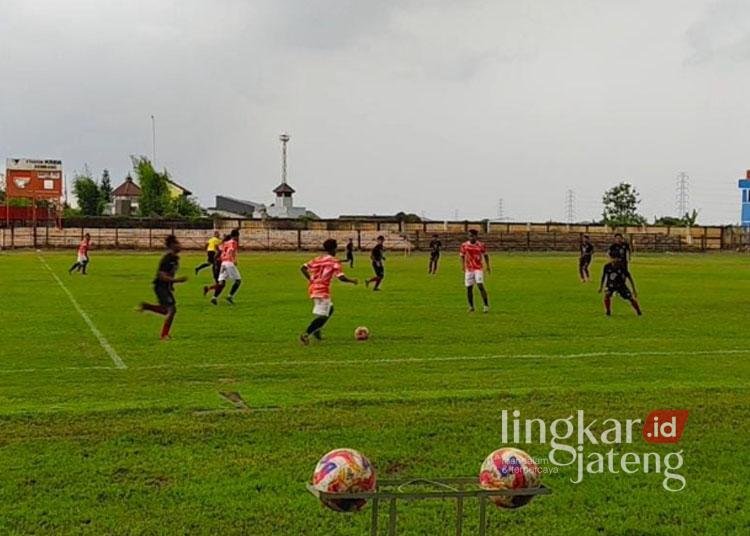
621,206
154,199
407,218
688,220
105,186
87,193
105,191
185,207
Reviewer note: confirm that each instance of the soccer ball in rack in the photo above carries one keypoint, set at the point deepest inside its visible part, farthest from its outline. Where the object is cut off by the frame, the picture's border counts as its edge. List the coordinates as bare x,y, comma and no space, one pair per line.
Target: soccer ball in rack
509,468
344,471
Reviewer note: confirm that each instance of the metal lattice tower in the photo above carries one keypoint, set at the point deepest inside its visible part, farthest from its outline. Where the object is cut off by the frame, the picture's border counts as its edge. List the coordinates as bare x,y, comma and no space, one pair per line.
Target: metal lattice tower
284,137
570,206
500,210
682,194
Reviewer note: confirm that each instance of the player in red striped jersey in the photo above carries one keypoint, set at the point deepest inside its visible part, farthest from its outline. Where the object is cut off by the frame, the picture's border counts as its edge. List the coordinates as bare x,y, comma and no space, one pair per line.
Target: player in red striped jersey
319,272
228,255
83,256
473,252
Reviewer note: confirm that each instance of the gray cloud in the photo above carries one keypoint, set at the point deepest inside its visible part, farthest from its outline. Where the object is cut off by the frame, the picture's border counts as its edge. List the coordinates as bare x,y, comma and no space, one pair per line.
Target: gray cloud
425,106
721,33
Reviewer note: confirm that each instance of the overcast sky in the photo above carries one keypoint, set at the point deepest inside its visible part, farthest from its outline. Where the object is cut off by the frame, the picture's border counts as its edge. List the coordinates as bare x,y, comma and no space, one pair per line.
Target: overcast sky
432,107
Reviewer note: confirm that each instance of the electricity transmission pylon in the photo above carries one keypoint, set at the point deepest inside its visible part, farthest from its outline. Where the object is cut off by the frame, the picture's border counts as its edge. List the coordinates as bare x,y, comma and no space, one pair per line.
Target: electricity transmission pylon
570,206
682,194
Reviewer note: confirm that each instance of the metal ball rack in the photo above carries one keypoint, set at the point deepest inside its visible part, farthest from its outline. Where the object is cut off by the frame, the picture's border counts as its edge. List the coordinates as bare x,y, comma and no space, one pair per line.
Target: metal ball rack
418,489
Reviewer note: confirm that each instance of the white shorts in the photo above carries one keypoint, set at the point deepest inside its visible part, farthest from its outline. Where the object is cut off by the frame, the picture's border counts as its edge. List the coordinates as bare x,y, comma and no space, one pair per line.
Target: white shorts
322,306
83,258
229,271
474,277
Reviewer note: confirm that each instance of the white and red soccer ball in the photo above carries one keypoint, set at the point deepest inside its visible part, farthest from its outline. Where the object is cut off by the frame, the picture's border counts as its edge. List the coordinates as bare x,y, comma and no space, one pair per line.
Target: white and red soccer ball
509,468
344,471
361,333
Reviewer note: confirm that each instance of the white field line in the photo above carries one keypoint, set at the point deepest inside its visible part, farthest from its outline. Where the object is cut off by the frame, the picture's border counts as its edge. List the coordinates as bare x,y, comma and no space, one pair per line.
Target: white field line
118,362
397,360
386,360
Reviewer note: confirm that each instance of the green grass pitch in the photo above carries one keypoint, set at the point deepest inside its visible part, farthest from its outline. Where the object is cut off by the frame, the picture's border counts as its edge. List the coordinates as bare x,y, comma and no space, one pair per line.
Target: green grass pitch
154,449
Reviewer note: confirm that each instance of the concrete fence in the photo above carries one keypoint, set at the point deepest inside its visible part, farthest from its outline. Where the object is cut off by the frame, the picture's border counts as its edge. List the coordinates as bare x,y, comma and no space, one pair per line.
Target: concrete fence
294,235
254,239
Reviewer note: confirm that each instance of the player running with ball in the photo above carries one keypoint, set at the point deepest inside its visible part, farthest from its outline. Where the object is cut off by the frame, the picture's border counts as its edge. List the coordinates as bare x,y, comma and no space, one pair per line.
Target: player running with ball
319,272
473,252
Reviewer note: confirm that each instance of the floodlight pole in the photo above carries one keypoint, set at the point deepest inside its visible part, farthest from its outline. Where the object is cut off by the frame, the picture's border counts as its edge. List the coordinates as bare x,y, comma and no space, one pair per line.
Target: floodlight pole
284,138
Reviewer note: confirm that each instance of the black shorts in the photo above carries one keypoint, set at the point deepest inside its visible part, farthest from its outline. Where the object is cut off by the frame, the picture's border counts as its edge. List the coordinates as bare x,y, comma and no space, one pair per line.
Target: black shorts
434,255
379,269
165,295
624,292
585,260
210,257
349,255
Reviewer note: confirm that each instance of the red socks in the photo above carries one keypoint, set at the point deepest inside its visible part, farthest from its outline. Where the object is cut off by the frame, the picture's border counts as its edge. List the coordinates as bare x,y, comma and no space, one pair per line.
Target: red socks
165,328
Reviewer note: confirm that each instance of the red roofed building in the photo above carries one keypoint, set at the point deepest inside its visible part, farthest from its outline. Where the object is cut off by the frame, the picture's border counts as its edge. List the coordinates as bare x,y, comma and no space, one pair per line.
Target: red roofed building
125,198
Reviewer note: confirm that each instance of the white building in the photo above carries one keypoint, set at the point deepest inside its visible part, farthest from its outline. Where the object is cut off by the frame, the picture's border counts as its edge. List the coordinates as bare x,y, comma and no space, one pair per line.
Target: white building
284,207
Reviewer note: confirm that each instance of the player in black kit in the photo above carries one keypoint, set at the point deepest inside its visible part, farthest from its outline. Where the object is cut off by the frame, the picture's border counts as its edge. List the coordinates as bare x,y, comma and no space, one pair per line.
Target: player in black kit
164,286
435,247
620,249
615,277
584,261
377,257
350,253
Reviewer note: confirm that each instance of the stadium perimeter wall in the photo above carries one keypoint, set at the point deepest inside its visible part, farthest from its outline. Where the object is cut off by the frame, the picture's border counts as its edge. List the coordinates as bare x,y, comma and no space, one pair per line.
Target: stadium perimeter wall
294,235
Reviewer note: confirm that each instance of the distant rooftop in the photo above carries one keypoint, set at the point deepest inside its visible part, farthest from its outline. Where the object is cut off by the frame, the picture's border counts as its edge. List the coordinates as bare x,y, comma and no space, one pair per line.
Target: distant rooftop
127,189
185,191
283,188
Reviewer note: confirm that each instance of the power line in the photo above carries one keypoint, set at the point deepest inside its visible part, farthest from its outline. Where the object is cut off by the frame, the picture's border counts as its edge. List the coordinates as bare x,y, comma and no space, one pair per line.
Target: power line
682,196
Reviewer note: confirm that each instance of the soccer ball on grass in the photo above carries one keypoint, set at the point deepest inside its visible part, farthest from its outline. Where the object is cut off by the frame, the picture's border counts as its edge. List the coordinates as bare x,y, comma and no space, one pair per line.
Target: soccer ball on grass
361,333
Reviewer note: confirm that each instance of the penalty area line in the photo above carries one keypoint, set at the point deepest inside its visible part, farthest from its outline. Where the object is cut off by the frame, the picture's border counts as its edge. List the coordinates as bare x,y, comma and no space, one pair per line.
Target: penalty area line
116,359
